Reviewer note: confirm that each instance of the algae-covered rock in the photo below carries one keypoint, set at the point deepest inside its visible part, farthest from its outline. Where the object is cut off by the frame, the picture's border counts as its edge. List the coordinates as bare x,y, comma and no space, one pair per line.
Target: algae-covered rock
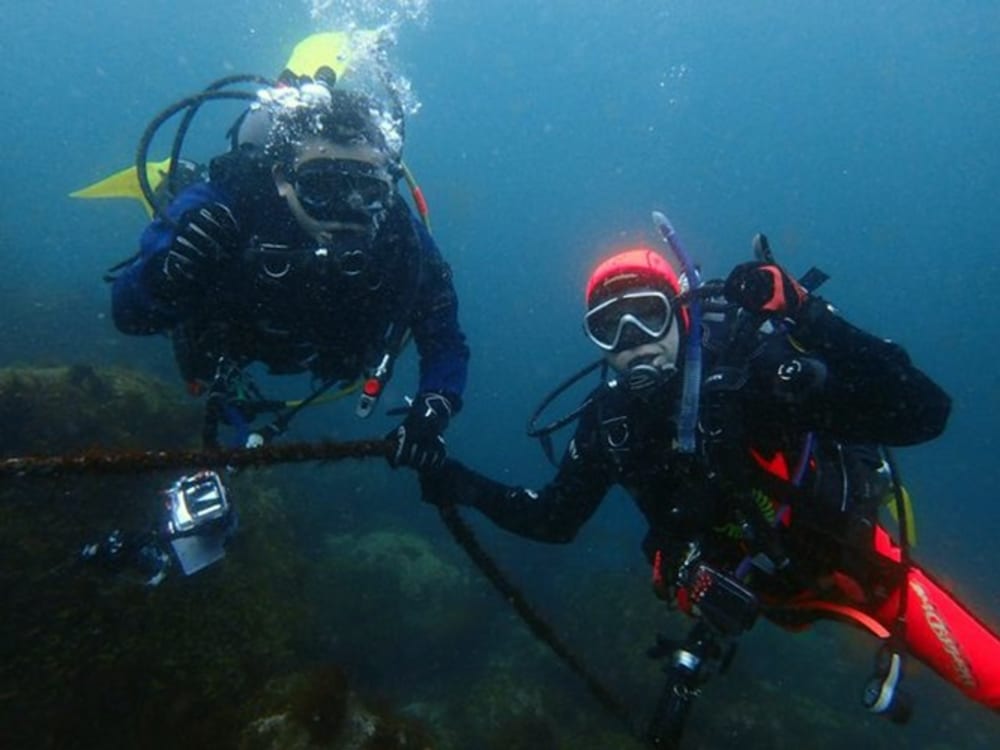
506,702
91,657
318,710
75,409
403,559
520,696
53,410
390,599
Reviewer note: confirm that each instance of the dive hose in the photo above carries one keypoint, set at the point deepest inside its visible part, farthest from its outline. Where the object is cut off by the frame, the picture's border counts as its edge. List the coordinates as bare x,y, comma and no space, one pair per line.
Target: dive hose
142,152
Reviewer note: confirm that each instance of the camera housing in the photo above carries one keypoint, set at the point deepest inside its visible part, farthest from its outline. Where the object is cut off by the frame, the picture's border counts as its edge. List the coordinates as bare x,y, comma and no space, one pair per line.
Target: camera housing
194,502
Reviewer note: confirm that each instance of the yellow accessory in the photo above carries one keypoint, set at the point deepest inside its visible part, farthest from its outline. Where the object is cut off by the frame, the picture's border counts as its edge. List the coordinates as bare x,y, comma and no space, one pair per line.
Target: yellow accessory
125,184
333,49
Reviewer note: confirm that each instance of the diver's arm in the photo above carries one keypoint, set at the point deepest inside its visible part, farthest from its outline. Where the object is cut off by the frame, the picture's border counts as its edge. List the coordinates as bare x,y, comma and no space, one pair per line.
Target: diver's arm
138,304
871,391
553,514
444,355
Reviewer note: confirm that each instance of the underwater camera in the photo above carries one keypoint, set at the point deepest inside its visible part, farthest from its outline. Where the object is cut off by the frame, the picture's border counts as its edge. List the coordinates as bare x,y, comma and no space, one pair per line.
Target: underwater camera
725,608
199,520
195,501
686,672
721,600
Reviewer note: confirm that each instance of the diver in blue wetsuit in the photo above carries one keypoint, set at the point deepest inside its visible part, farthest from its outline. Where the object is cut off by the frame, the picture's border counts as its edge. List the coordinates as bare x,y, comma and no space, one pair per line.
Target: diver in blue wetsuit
299,253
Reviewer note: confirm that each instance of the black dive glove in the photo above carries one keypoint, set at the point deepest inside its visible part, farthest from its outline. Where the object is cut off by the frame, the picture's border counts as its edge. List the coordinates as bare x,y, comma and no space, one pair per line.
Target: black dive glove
207,238
419,441
765,288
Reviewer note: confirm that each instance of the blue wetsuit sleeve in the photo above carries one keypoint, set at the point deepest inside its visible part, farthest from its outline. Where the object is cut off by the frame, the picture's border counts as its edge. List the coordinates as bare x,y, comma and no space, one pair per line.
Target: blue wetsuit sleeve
444,355
135,307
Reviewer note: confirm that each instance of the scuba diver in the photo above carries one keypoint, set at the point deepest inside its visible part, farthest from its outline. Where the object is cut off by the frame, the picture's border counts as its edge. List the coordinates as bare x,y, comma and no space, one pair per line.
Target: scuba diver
761,477
298,252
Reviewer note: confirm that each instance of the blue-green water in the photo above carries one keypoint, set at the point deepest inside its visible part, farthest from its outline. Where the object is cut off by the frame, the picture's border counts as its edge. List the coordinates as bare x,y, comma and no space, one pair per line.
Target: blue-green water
860,136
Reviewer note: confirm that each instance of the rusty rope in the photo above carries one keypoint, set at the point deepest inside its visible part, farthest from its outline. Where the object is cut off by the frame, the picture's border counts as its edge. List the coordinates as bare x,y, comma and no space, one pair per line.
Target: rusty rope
135,462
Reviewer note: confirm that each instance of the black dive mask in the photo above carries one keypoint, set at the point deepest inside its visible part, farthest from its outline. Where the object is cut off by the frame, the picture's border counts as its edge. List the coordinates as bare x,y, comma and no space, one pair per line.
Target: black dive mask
342,190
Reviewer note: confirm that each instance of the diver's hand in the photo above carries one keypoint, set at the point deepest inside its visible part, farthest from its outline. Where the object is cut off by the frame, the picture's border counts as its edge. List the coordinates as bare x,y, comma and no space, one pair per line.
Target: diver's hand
419,441
765,288
207,238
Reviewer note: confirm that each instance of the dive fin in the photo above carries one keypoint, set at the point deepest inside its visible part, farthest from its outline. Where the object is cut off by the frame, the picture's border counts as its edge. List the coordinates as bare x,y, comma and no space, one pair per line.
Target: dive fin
337,50
333,49
125,184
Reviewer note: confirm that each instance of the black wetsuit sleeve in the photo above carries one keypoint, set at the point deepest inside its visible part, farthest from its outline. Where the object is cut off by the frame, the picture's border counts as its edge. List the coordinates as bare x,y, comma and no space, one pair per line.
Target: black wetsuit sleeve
552,514
872,392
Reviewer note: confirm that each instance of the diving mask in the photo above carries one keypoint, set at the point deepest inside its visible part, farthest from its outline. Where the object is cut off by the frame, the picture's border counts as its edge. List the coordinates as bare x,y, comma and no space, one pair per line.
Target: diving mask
629,320
344,190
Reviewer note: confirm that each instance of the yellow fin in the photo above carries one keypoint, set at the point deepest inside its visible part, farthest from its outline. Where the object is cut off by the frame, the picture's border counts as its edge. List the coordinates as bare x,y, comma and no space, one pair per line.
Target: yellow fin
125,184
334,49
911,523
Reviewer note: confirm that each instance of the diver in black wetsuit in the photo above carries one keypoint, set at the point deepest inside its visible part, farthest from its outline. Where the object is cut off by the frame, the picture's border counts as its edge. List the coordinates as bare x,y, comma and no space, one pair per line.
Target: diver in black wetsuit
773,508
824,377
